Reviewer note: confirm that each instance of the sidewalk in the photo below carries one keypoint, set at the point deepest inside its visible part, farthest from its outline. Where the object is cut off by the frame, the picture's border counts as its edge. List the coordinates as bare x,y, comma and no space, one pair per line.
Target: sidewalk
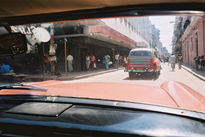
198,73
68,76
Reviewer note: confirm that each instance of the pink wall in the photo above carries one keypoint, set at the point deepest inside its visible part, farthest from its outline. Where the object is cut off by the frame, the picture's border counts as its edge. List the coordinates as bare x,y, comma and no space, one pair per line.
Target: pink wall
204,37
189,47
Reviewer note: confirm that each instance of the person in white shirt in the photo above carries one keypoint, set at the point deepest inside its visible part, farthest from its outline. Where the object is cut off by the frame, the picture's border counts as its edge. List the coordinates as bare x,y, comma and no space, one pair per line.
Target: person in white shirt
87,58
172,61
180,61
70,63
125,60
117,60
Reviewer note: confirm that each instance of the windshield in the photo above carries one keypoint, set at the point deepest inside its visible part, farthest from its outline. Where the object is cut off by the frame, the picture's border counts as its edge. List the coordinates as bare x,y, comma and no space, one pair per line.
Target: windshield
140,53
92,52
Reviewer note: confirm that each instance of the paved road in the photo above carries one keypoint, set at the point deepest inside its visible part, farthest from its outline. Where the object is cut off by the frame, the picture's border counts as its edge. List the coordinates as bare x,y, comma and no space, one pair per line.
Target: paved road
166,74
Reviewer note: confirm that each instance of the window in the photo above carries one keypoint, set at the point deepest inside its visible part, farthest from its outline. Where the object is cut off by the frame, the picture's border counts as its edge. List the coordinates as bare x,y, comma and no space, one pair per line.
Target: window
196,40
140,53
192,44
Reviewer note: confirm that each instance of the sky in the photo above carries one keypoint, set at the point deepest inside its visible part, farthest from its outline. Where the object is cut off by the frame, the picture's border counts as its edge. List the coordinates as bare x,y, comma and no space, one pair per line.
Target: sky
166,29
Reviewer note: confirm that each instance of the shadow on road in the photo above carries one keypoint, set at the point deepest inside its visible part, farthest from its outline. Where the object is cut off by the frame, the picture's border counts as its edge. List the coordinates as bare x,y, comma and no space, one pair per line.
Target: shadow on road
141,77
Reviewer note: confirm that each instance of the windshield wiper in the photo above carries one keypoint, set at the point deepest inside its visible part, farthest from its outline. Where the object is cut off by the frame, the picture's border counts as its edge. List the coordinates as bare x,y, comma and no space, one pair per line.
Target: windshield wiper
21,86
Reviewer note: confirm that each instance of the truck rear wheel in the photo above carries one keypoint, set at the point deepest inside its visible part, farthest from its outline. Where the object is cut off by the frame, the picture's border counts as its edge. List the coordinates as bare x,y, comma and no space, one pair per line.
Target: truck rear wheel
156,75
131,75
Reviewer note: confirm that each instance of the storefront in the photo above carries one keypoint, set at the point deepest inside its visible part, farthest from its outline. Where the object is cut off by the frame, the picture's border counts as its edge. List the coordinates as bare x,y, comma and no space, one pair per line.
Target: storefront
96,41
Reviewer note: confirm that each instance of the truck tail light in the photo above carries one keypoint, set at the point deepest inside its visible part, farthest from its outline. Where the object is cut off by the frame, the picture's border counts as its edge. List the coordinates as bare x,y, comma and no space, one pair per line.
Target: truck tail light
153,63
127,64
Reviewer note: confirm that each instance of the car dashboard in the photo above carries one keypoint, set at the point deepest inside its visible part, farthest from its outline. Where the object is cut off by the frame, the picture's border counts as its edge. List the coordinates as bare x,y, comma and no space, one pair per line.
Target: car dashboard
74,117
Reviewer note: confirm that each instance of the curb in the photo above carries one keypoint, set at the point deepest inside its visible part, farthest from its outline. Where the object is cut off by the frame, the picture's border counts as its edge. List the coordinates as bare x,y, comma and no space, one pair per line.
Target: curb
195,74
89,75
37,79
70,78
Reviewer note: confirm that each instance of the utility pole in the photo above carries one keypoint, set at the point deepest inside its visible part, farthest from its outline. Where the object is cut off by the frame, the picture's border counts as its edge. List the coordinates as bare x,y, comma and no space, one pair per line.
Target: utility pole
113,53
65,46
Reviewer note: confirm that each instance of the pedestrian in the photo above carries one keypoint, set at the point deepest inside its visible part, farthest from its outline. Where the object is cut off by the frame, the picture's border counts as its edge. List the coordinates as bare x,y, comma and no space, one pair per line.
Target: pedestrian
117,60
92,59
46,62
122,60
163,59
125,61
106,61
1,68
87,58
172,61
180,61
108,57
168,61
70,63
5,68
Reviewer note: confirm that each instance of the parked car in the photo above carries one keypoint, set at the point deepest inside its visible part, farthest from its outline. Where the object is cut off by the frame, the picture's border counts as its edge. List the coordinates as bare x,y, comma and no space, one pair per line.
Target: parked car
143,60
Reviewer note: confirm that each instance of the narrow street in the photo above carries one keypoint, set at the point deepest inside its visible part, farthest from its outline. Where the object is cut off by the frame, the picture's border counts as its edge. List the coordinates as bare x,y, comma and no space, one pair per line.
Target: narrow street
166,75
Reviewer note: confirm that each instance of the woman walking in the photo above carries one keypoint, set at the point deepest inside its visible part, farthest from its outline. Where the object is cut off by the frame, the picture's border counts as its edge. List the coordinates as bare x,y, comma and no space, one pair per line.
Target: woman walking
92,58
106,62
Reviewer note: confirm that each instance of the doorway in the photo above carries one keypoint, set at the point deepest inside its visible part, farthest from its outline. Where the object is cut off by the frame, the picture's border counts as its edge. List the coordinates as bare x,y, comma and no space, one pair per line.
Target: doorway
197,46
83,53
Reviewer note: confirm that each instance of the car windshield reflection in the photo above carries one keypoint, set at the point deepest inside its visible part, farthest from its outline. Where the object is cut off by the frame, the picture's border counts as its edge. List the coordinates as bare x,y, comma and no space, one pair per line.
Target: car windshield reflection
136,50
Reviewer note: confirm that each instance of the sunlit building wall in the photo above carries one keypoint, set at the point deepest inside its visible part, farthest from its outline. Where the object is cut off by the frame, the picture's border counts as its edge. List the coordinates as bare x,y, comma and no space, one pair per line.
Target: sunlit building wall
137,29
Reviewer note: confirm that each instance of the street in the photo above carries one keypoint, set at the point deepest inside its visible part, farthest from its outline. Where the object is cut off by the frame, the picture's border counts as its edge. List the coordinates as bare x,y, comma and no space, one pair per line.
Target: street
166,74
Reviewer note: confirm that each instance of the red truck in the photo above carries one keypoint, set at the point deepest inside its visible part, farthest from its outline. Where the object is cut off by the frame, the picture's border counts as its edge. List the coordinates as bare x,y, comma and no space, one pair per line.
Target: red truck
143,60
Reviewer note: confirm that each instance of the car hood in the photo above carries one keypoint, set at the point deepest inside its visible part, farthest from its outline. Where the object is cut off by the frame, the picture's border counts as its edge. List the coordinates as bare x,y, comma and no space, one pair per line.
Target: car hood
170,93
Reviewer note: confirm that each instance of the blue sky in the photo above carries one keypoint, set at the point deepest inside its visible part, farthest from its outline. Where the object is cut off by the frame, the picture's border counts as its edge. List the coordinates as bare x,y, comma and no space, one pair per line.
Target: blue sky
166,29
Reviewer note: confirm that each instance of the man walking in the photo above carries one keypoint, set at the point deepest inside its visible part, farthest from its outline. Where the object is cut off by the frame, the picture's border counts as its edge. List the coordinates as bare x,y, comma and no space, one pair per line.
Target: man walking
172,61
87,58
92,58
46,63
70,63
180,61
117,60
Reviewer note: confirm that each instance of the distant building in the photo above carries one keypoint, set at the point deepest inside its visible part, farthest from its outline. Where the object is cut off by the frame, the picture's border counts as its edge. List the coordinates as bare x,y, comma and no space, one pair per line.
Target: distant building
180,26
155,36
138,29
165,52
143,28
156,43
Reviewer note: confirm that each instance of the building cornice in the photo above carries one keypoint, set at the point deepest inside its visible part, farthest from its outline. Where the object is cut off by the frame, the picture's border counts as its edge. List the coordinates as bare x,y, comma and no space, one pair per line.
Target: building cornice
189,28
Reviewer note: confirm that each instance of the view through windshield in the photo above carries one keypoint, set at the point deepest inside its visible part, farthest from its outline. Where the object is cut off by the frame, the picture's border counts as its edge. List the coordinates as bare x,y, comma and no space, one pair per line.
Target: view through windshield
163,48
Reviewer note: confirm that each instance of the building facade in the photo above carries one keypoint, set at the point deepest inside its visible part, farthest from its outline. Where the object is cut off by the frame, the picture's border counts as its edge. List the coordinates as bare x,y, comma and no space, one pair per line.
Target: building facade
143,28
193,40
176,41
98,37
189,38
155,36
137,29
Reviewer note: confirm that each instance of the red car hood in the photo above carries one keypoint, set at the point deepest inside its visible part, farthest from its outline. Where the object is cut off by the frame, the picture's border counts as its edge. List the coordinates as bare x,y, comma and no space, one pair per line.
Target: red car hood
170,94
